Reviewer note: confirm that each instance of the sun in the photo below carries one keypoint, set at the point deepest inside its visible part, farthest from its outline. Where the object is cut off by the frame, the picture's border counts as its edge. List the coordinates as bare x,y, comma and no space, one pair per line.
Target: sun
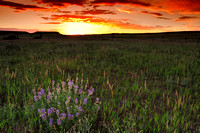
82,28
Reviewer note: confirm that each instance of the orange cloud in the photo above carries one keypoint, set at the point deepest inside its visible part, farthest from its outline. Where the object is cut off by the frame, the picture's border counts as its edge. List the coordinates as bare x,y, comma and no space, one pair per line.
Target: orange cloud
125,10
97,20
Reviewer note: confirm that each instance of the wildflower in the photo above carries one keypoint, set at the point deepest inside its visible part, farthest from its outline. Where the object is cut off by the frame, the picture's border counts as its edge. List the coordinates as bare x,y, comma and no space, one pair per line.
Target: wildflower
63,83
79,108
35,98
44,116
77,114
49,111
92,90
98,108
42,91
58,121
33,91
51,122
80,90
76,100
43,110
52,109
58,103
97,100
57,112
75,90
85,101
89,92
62,116
39,93
48,97
69,116
70,83
76,86
48,89
53,82
39,110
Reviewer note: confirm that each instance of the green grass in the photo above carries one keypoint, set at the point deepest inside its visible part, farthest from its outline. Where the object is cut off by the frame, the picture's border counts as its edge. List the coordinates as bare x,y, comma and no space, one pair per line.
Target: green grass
144,85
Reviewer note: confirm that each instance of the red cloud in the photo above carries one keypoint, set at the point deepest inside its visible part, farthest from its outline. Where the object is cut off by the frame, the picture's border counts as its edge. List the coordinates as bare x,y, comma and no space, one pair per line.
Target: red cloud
123,2
95,12
19,7
184,6
61,3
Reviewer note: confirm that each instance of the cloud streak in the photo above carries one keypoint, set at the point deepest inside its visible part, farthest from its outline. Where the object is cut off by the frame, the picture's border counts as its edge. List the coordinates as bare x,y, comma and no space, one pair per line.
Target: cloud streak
19,6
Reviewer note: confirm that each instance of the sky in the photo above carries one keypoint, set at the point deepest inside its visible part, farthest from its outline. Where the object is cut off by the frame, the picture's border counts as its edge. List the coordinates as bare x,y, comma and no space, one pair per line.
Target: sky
73,17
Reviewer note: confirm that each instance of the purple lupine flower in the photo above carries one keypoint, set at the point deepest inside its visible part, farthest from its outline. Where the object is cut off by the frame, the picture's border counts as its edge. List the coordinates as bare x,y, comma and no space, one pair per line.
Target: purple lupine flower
92,90
79,108
85,101
97,99
42,91
70,83
69,97
76,86
53,81
39,110
57,112
77,114
49,111
51,122
69,116
48,97
63,83
76,100
43,110
44,116
80,90
52,109
33,91
98,108
58,121
58,103
48,89
35,98
72,116
39,93
63,116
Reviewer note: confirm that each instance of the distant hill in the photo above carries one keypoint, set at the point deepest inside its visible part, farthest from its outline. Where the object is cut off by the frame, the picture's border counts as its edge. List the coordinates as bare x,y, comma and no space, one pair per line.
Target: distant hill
10,35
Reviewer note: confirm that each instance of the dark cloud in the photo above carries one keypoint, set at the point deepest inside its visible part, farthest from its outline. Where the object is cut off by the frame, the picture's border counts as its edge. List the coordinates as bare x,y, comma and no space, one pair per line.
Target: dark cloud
163,18
186,18
19,6
152,13
95,12
18,29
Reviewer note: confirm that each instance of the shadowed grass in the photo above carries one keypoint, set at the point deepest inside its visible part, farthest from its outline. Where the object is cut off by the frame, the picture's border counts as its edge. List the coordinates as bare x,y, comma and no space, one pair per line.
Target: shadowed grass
143,85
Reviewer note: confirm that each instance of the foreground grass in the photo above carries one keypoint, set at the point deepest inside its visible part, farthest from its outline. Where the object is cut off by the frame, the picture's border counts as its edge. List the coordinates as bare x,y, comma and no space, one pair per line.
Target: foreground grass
143,86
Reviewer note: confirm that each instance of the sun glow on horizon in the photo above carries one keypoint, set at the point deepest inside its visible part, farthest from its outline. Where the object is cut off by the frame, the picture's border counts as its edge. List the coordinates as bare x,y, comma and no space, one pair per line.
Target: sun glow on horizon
82,28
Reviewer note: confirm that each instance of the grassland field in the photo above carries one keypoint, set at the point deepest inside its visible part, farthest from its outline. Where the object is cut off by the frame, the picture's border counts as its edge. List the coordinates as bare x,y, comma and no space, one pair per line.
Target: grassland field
144,84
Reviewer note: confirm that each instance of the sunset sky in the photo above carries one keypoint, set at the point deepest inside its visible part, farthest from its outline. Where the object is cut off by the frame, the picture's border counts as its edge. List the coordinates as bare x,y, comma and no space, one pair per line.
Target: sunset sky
100,16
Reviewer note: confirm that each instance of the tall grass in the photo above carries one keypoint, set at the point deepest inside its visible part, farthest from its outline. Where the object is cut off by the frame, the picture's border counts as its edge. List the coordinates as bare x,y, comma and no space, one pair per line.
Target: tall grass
143,85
